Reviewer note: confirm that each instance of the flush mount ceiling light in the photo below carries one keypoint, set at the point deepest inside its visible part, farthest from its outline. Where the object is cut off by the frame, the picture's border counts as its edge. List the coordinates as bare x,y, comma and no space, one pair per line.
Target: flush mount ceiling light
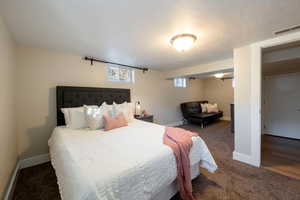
183,42
219,75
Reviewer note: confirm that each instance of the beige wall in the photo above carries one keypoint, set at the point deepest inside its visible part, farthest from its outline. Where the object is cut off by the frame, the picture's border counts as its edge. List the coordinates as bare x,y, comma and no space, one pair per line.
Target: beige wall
220,92
40,70
8,142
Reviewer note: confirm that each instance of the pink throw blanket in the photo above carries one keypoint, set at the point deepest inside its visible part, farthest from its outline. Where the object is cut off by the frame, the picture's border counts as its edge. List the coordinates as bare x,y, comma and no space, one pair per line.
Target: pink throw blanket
180,141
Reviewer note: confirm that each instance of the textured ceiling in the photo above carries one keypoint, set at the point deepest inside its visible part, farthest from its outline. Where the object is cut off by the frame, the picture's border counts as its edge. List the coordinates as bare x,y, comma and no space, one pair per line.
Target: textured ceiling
137,32
282,67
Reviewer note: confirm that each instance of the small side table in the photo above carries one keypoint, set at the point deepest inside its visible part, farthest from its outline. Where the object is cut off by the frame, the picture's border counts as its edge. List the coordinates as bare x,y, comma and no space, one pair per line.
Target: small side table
148,118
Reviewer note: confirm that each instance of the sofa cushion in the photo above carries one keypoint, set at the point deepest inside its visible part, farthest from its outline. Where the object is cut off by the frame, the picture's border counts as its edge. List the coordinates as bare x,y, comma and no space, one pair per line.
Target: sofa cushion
205,115
193,107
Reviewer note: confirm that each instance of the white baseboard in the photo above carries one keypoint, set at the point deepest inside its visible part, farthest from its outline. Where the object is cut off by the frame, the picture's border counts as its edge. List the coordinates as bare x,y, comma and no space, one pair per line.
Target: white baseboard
244,158
178,123
226,118
28,162
35,160
279,134
8,193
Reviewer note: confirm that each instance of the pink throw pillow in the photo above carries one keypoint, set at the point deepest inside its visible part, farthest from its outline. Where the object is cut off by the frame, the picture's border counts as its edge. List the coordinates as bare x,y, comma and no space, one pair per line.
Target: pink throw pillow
116,122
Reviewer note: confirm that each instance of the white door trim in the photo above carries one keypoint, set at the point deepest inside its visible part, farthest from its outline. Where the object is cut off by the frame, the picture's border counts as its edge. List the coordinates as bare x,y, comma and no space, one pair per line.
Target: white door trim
256,65
256,52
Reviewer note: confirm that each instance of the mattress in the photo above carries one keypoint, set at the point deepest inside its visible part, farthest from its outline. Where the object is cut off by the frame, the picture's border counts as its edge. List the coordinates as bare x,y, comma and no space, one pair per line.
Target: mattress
125,163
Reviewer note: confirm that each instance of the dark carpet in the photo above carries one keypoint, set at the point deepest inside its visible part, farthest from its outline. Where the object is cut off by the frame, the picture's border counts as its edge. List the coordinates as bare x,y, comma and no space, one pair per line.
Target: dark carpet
232,181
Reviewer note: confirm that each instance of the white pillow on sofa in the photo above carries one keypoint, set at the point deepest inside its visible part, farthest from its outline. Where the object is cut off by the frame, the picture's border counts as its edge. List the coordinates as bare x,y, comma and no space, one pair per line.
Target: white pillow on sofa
204,107
211,108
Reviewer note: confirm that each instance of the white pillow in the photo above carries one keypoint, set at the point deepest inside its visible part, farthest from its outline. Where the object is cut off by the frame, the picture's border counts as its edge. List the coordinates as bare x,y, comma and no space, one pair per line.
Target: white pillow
65,111
109,108
75,117
212,108
94,117
204,107
126,109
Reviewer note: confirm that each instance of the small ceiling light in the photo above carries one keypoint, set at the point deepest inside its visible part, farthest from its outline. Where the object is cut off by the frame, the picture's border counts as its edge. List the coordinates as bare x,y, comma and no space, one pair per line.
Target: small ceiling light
183,42
219,75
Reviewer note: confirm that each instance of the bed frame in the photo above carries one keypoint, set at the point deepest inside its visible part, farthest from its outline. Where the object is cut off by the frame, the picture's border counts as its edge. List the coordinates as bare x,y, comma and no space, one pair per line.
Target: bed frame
68,96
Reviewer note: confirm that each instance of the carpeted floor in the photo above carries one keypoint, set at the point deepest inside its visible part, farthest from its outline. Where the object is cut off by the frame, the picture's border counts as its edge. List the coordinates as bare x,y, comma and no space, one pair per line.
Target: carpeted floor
232,181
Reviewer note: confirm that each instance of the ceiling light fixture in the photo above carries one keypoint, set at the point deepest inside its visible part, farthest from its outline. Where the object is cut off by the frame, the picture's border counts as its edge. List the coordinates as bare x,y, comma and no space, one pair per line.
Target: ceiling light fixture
219,75
183,42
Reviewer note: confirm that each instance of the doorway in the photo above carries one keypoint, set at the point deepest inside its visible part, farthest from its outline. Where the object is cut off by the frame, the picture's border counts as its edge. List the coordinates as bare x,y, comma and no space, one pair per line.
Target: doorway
256,89
280,113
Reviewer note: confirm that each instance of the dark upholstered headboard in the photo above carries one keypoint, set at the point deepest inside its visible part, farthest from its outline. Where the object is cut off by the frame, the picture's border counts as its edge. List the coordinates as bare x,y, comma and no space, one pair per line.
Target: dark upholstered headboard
67,97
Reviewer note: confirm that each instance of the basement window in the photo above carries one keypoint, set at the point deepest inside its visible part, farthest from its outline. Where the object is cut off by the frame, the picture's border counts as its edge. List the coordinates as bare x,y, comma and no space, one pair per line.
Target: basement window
180,82
120,74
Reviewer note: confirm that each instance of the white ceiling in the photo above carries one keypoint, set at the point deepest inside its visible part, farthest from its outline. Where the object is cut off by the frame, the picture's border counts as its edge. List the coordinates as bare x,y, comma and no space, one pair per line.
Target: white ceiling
281,54
281,67
137,32
227,73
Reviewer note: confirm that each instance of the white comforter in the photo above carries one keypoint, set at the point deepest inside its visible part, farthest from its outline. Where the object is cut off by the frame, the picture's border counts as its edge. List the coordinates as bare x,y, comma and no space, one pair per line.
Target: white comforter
126,163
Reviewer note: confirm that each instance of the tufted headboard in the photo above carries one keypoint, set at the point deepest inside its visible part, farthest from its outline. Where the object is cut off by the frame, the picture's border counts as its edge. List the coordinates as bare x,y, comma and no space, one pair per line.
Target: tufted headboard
67,96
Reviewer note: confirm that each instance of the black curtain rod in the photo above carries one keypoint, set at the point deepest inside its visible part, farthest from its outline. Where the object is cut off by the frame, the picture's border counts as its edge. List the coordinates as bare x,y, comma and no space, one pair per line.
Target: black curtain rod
103,61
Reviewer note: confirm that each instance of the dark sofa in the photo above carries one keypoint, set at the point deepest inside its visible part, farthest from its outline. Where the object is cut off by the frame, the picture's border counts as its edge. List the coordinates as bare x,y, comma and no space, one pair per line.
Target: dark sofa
192,112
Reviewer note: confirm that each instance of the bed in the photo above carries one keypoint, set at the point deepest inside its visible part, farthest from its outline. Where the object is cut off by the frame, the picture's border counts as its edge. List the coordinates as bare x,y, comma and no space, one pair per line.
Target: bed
125,163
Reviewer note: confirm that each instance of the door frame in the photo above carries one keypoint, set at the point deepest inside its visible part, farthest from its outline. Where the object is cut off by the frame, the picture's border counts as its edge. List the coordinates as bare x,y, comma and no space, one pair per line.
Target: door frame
256,84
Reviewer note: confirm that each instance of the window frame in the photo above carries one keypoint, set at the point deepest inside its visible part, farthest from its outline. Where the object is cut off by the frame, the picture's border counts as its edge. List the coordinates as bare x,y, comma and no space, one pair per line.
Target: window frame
130,74
180,82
